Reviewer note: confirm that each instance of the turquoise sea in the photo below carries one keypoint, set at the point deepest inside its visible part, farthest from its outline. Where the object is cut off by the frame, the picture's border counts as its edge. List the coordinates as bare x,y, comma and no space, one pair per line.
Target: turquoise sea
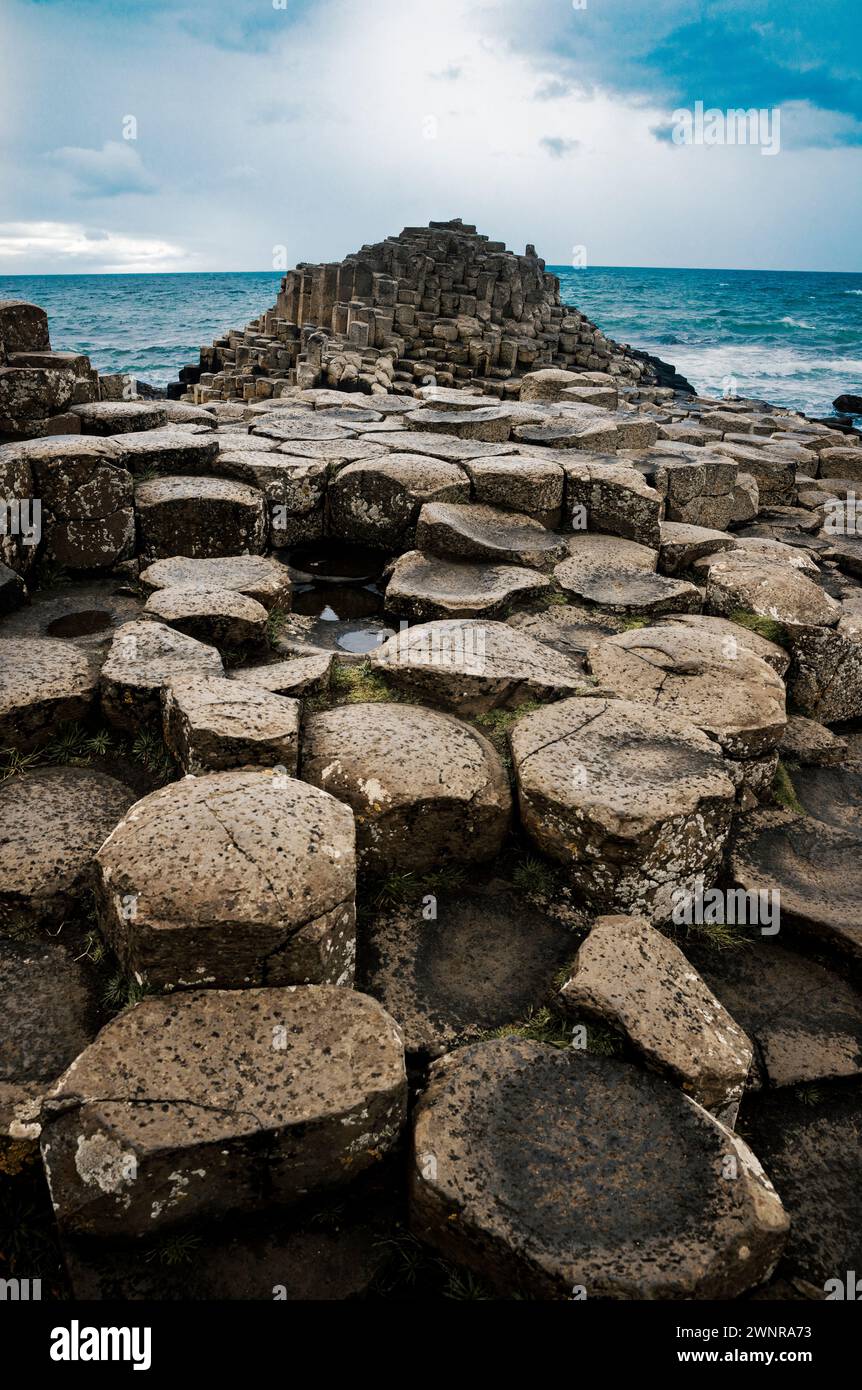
794,338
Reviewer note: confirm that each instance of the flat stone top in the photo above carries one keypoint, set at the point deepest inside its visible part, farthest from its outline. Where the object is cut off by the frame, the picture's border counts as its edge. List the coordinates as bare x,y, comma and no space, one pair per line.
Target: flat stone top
398,754
442,446
474,646
577,1161
430,578
256,575
706,677
64,449
233,707
637,764
192,489
174,604
235,848
53,820
43,668
147,653
198,1067
416,471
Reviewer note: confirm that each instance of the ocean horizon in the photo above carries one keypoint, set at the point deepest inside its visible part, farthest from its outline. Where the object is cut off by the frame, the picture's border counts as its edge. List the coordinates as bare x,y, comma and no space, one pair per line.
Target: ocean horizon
790,337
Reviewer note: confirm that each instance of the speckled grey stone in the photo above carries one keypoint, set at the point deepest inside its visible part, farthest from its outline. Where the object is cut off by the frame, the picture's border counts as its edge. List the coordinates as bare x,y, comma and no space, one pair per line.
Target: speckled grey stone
261,578
232,879
120,417
219,1101
425,587
378,500
619,575
145,656
199,517
471,665
223,618
170,450
426,788
475,531
44,682
304,675
706,677
629,975
634,802
212,723
52,821
48,1007
449,968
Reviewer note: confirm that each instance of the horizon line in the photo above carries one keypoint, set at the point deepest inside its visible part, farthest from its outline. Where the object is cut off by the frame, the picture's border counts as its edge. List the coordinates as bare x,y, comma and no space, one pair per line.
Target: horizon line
549,265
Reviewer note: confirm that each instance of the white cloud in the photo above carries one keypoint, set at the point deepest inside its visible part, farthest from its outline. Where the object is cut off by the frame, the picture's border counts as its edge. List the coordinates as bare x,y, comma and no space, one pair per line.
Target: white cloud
115,169
66,247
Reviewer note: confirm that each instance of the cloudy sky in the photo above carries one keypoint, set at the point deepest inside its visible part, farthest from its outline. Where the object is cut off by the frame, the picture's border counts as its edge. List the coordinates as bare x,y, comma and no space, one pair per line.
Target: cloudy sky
251,134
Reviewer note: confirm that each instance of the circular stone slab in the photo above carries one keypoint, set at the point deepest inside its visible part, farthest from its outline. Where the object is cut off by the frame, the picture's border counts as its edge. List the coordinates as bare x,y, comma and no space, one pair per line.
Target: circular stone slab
265,580
52,821
471,666
483,960
199,517
44,682
635,802
232,879
221,1101
426,789
557,1174
768,588
704,677
423,587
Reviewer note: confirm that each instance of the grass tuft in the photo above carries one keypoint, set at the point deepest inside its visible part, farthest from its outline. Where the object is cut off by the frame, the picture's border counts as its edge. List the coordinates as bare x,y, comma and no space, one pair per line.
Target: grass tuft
784,792
360,684
764,627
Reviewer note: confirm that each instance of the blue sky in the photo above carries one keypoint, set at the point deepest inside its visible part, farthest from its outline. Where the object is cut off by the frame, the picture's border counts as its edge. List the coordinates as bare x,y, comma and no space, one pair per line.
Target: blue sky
248,134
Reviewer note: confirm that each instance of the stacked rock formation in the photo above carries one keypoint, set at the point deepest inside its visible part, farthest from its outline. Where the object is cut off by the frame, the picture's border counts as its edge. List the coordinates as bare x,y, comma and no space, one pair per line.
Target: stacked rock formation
439,304
616,668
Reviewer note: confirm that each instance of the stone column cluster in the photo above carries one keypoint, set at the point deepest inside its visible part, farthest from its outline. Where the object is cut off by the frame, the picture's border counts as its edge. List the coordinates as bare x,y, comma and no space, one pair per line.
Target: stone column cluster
440,304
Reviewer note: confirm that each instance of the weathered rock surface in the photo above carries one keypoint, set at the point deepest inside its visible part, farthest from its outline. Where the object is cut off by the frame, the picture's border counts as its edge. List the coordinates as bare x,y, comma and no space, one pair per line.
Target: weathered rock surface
120,417
619,575
52,821
615,498
700,676
263,579
296,1090
424,587
478,532
768,588
471,666
805,1020
537,1168
48,1006
86,496
233,879
425,788
453,967
825,677
175,449
378,500
223,618
530,485
629,975
44,682
212,723
305,675
811,744
199,517
145,656
681,545
634,802
816,869
811,1154
735,637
